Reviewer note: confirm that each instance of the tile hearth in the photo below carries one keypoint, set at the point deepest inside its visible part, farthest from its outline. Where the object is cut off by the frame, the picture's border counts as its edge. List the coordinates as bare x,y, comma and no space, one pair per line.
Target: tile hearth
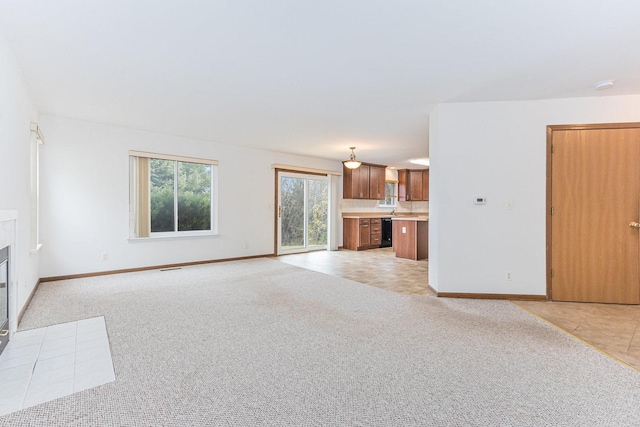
40,365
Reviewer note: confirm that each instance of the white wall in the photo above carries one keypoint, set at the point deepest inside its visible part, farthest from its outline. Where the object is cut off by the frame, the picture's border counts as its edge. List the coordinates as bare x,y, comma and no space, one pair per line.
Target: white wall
498,150
85,198
16,113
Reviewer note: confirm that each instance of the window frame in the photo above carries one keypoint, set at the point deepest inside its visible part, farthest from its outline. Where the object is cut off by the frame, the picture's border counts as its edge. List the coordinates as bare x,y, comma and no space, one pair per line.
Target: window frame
36,141
134,197
394,197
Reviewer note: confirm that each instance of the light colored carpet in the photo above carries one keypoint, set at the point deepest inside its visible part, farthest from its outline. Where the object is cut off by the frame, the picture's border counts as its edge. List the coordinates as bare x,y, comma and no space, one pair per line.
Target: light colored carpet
262,343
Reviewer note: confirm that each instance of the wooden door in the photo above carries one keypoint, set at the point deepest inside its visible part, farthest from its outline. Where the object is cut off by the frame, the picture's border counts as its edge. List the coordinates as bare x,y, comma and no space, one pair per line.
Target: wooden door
376,182
403,194
350,183
365,233
425,185
595,195
363,182
415,185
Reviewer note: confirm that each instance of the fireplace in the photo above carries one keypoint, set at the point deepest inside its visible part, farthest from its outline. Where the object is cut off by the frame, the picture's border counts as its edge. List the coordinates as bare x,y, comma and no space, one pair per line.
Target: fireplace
4,298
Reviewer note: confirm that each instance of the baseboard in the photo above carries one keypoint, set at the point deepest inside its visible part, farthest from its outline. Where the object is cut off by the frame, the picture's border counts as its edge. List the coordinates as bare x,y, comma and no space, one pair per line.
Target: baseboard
492,296
155,267
432,289
26,304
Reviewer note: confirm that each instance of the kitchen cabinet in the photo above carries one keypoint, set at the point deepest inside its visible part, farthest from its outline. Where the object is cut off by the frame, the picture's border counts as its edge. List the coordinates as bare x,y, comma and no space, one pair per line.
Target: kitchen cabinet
425,185
361,233
376,182
376,232
413,185
411,238
365,182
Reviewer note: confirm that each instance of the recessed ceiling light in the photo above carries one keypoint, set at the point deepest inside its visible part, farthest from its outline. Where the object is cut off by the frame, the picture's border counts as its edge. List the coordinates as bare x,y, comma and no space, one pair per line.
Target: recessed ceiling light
423,162
605,84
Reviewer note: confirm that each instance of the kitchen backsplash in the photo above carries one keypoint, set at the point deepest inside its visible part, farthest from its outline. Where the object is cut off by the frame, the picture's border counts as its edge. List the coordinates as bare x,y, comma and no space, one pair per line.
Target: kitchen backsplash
355,205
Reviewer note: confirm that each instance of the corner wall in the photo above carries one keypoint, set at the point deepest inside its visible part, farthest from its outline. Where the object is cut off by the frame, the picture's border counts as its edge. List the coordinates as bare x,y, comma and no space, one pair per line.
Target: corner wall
16,113
497,150
85,199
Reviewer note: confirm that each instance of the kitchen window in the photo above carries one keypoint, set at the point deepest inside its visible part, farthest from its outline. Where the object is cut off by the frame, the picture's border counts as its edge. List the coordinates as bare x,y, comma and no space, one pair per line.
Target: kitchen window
172,196
390,195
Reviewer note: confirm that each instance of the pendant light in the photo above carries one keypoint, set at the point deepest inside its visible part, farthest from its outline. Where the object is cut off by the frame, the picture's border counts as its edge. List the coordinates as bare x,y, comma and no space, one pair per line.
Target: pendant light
352,163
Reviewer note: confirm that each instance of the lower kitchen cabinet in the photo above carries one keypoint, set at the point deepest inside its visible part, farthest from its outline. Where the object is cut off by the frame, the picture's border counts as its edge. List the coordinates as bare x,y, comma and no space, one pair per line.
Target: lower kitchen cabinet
361,233
411,239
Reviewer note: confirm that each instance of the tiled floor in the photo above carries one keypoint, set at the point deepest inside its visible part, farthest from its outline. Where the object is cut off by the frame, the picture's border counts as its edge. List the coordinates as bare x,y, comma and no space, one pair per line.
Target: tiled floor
614,329
375,267
44,364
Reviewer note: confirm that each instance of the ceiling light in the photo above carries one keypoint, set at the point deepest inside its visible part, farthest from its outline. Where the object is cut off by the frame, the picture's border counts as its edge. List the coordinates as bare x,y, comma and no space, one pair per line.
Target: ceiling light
605,84
423,162
352,163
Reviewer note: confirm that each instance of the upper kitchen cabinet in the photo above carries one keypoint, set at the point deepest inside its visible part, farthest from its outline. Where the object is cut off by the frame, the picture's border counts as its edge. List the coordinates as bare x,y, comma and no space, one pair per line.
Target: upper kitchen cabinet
413,185
365,182
425,185
376,182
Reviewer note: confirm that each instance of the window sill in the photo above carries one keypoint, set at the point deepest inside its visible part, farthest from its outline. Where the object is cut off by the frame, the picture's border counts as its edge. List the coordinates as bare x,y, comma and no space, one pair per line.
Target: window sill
172,236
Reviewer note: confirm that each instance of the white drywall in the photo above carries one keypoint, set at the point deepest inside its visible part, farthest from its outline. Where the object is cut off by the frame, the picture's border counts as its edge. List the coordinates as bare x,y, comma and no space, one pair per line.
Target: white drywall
16,113
85,199
497,150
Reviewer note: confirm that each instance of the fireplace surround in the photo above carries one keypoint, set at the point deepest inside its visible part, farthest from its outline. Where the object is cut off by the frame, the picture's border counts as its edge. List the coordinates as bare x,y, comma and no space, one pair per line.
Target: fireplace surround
4,297
8,226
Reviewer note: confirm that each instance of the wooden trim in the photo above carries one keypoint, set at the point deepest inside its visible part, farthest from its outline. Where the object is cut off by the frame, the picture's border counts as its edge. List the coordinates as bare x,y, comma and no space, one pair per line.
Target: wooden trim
374,164
548,218
301,172
626,125
26,304
185,159
492,296
549,198
311,171
155,267
275,213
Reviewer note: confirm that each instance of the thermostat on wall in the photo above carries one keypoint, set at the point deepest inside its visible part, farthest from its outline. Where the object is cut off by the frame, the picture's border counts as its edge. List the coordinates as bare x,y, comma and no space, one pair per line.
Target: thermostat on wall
480,201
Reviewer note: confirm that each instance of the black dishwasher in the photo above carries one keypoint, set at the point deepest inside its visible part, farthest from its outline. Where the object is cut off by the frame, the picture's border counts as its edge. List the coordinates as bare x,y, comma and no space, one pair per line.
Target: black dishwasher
386,233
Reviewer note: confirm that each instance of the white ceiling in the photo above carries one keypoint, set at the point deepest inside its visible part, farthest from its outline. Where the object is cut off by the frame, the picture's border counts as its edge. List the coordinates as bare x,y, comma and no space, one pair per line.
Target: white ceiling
313,77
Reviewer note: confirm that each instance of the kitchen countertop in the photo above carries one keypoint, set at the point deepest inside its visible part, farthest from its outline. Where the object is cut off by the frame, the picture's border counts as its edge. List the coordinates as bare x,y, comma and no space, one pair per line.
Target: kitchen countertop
409,217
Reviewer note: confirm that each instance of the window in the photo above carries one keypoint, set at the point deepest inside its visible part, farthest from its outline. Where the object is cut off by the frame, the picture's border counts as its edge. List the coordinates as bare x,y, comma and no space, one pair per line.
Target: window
390,194
172,195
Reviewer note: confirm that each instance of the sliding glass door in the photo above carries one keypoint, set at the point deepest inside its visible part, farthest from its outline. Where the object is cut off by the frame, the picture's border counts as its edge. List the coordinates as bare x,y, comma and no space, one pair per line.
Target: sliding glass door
303,212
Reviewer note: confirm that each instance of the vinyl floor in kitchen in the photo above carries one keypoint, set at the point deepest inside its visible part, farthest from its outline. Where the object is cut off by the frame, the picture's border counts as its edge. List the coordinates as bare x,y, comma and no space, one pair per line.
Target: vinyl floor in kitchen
611,328
375,267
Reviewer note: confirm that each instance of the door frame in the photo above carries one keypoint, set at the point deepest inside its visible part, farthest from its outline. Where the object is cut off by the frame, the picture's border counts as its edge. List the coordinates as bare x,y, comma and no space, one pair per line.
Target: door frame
550,130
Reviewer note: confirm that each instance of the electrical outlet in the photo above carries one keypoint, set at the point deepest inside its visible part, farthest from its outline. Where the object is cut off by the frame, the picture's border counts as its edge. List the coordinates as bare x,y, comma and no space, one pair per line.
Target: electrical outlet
245,245
105,256
507,275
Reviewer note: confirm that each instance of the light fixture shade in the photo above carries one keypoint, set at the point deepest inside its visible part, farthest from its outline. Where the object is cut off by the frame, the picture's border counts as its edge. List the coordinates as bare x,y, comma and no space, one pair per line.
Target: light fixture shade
352,163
